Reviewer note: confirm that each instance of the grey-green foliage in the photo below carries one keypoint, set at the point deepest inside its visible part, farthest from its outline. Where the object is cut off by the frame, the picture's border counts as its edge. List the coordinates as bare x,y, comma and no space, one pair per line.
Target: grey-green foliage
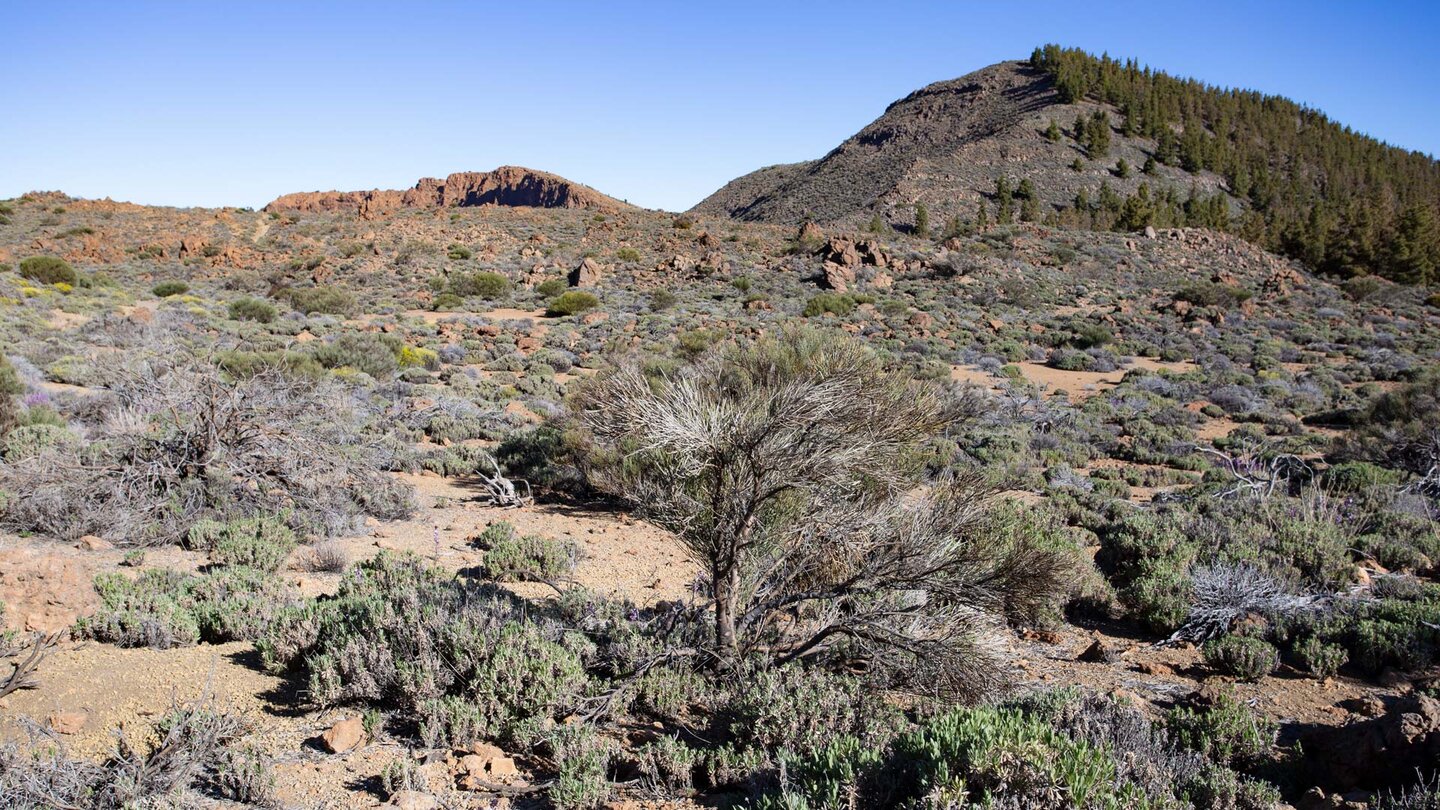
259,542
466,660
510,556
163,608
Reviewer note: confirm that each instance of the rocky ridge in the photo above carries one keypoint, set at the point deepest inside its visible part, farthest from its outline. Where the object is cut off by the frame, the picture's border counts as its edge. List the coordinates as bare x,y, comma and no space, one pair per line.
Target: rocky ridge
513,186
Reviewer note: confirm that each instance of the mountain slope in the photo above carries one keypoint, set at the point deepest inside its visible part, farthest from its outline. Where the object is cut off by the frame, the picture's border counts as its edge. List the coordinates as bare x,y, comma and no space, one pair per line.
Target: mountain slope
1069,139
945,146
507,186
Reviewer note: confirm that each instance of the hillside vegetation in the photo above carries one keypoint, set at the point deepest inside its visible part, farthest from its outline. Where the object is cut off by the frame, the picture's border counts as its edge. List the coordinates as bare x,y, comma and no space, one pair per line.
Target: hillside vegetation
1316,190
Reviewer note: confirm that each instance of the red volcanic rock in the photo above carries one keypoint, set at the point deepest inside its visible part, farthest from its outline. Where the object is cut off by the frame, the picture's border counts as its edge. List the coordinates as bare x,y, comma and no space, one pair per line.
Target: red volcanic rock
507,185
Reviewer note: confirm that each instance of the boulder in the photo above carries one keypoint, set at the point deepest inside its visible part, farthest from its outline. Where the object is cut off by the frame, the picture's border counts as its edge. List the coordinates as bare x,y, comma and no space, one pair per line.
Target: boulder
586,274
344,735
837,277
1379,753
810,234
841,251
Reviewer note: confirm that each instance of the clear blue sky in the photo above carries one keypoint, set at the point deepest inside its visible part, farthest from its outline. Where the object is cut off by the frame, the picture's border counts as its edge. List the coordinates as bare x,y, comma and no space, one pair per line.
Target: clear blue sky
210,103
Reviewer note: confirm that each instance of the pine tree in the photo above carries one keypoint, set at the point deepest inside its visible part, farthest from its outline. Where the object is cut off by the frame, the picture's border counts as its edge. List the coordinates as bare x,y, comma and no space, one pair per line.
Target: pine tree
922,220
1004,201
1052,132
1415,253
1097,135
1122,169
1149,168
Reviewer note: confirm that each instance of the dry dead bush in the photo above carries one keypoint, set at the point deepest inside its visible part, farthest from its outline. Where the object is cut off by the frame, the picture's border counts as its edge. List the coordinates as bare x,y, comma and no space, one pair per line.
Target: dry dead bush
790,468
196,753
178,442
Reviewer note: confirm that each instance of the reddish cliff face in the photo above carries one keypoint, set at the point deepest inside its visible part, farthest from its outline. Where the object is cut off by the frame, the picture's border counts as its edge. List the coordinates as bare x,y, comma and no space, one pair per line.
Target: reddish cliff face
507,185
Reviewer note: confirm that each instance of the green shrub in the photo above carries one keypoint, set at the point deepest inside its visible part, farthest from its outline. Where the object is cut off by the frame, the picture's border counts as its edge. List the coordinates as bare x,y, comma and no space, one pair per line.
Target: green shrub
458,253
1148,559
582,758
164,608
323,300
1210,294
1359,477
362,351
1228,733
260,543
165,289
510,557
662,299
1247,658
446,301
829,304
627,254
1090,335
573,302
551,287
252,309
1433,300
1070,360
26,441
978,755
482,285
467,660
48,270
1320,659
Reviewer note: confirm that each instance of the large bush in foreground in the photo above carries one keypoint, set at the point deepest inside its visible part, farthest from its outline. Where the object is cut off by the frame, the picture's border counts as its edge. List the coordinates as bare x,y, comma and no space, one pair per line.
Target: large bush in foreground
787,467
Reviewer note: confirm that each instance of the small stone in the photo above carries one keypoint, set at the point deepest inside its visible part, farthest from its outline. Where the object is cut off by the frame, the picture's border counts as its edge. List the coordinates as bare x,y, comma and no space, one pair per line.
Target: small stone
68,722
473,764
1043,636
92,543
1096,653
413,800
1370,706
344,735
503,766
485,751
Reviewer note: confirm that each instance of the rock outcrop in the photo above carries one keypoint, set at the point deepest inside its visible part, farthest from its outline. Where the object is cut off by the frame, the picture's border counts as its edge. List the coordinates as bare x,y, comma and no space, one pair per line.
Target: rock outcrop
1382,752
507,186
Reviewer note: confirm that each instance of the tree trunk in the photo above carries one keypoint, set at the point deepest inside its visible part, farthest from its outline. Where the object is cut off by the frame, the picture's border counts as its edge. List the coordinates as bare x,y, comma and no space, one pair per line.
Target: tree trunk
727,600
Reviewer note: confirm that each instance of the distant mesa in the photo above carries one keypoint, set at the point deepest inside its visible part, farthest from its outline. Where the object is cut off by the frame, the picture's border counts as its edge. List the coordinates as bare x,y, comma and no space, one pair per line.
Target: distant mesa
513,186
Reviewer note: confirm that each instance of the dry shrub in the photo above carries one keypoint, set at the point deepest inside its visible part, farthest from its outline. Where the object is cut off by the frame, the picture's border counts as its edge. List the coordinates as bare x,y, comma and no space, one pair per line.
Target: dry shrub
177,442
789,468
